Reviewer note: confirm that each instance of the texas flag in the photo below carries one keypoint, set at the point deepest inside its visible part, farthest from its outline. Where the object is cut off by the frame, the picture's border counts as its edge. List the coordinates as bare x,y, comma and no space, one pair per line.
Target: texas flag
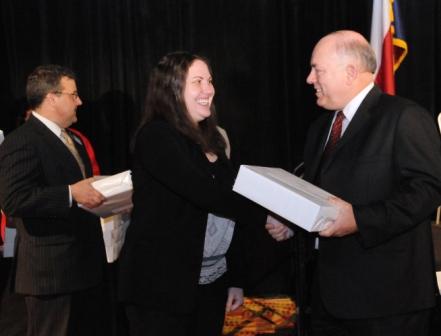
388,42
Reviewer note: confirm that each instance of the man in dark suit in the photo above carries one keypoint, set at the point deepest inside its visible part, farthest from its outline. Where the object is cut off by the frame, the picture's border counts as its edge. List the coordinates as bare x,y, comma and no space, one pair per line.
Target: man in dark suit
60,251
375,271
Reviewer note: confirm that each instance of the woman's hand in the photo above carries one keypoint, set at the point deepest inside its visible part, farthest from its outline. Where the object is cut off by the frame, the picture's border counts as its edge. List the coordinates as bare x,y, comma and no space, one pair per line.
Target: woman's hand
277,229
211,157
235,298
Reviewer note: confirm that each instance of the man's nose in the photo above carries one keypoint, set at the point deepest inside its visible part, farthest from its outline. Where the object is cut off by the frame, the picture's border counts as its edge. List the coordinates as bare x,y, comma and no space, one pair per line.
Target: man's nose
311,78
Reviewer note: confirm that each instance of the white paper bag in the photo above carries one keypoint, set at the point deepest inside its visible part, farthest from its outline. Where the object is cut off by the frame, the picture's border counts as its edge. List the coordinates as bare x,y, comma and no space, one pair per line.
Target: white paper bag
9,243
438,277
114,232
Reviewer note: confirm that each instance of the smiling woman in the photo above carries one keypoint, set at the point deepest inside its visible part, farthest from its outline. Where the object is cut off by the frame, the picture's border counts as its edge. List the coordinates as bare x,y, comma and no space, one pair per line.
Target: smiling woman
199,91
185,219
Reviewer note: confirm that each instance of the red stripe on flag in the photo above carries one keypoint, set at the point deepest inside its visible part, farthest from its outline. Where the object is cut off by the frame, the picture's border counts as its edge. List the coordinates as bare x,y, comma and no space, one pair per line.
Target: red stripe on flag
385,77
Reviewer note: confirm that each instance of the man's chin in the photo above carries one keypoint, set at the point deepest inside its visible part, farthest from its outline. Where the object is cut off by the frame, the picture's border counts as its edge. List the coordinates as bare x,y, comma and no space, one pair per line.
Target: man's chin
321,102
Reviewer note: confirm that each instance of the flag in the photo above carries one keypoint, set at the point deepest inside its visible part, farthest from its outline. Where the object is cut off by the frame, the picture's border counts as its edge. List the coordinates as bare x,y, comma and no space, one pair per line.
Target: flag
388,42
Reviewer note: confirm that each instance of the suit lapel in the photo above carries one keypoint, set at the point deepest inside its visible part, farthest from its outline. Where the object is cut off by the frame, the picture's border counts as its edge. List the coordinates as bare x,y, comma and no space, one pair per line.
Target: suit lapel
62,154
358,122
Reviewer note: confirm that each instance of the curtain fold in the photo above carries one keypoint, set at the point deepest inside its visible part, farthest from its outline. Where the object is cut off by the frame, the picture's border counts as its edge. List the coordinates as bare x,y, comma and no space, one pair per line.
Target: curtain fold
259,50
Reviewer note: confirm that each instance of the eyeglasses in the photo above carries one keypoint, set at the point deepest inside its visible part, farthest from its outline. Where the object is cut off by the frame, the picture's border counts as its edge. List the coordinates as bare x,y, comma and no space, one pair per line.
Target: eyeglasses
74,95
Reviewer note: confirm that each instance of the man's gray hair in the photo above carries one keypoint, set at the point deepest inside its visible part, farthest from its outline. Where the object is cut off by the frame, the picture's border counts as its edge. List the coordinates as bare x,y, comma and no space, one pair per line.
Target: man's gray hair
358,48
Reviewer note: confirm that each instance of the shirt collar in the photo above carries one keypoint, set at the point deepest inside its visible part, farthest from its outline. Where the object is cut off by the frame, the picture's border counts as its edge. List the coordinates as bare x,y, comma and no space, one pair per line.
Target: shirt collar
352,107
48,123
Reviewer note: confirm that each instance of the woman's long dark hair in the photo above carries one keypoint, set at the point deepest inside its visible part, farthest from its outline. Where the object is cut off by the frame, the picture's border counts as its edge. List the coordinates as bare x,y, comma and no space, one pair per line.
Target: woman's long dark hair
165,101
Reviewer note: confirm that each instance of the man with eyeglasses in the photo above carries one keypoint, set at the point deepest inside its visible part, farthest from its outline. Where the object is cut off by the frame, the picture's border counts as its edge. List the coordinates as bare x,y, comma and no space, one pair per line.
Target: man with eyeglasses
43,177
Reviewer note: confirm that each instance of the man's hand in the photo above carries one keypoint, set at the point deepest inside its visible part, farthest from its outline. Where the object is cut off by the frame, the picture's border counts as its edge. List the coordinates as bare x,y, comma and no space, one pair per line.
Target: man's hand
83,193
235,298
277,229
344,224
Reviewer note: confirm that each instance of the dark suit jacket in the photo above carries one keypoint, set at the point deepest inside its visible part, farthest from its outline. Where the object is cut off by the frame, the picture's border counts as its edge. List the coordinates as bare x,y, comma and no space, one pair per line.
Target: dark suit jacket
60,248
175,187
388,165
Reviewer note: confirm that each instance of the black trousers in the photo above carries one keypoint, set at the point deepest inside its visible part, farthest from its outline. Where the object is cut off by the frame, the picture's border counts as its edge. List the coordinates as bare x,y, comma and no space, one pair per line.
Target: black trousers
324,324
205,320
79,313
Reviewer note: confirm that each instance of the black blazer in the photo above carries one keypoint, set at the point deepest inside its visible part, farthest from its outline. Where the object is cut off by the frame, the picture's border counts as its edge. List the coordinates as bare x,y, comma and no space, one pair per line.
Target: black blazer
175,187
388,165
60,248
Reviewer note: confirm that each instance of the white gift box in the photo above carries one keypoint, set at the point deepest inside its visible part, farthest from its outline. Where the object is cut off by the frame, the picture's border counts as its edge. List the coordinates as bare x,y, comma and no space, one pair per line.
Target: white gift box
118,190
290,197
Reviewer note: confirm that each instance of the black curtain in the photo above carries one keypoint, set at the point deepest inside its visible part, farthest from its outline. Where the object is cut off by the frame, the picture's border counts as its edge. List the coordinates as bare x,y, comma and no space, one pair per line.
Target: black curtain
259,50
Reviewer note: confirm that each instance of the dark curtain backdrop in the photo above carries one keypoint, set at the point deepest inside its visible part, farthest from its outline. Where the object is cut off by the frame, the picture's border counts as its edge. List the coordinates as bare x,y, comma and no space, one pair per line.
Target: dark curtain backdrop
259,50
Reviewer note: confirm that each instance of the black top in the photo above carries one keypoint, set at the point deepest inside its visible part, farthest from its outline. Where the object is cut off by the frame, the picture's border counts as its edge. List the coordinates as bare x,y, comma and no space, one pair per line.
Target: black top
175,187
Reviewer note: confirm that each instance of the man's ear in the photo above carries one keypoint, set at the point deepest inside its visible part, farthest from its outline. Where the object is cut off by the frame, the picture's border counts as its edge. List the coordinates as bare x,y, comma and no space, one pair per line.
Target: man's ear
351,73
50,97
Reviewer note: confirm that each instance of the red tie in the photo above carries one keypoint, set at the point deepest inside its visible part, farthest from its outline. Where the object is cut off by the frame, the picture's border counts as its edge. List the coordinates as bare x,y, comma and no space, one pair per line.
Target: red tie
335,134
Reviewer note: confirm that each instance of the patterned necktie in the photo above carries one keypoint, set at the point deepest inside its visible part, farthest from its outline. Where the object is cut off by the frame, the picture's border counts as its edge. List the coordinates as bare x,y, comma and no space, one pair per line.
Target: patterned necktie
335,134
71,146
